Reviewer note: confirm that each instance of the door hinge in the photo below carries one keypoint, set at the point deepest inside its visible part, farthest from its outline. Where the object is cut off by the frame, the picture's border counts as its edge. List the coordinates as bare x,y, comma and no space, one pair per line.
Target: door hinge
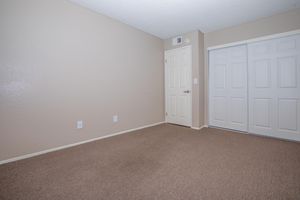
166,114
166,60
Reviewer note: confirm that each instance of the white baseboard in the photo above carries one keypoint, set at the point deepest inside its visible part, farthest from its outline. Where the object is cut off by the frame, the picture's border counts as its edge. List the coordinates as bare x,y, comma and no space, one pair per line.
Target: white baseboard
75,144
199,128
204,126
195,128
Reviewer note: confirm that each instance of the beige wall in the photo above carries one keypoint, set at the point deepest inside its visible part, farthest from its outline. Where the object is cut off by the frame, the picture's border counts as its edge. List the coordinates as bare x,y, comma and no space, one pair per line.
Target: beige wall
60,63
272,25
196,40
201,81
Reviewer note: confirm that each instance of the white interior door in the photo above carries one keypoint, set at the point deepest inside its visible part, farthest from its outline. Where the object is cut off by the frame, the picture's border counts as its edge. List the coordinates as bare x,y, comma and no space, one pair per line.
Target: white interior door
178,85
228,88
274,87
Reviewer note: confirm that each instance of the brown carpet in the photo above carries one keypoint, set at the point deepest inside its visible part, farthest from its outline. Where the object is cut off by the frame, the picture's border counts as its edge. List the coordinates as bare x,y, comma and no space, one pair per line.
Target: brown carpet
162,162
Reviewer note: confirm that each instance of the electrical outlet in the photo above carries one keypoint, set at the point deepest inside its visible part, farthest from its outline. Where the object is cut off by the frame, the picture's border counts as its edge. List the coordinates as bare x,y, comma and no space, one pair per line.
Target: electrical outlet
115,118
79,124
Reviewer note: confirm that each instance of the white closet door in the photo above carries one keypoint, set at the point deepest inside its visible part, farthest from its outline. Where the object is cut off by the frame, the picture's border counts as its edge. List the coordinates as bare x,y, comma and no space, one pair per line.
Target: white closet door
274,87
228,88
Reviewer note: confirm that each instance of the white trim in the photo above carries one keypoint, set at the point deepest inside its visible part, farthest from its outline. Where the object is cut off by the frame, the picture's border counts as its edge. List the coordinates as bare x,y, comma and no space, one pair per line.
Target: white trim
204,126
269,37
228,129
255,134
195,128
74,144
199,128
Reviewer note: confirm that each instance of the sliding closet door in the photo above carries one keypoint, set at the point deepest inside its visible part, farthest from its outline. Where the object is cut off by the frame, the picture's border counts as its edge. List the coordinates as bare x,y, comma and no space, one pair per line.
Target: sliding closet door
274,87
228,88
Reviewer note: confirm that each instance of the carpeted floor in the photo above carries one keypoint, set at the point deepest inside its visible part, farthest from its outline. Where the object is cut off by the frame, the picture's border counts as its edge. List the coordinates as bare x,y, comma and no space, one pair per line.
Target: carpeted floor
165,162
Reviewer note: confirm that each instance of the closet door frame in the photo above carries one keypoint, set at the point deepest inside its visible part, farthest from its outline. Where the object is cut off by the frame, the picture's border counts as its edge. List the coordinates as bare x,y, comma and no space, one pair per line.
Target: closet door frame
244,42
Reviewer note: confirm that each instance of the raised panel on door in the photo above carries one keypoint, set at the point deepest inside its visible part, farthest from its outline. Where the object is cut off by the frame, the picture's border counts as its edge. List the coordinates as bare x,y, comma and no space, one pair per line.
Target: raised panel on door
182,114
288,115
262,113
287,71
219,76
172,104
262,73
274,89
228,88
238,105
238,75
219,111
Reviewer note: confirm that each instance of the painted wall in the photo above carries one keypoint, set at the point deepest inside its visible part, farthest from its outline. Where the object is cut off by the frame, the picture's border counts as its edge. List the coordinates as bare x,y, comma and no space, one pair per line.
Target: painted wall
60,63
196,40
284,22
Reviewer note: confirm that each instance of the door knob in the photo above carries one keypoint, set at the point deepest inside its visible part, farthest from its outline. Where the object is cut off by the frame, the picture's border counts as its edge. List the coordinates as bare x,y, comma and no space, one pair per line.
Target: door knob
186,91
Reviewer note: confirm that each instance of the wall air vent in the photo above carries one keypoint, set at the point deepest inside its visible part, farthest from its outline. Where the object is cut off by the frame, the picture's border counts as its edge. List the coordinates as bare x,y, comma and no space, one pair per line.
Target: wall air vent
177,40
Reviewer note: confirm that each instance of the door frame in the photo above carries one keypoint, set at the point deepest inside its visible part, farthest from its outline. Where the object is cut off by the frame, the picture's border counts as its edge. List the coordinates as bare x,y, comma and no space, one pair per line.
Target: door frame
191,82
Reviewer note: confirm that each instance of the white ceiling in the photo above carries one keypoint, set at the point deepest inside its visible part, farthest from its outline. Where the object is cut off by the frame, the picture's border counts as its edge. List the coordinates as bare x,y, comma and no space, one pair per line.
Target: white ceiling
167,18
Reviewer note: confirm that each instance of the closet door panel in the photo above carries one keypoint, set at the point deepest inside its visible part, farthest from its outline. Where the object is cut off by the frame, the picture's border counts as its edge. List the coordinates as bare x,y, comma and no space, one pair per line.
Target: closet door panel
237,88
274,88
218,103
228,88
